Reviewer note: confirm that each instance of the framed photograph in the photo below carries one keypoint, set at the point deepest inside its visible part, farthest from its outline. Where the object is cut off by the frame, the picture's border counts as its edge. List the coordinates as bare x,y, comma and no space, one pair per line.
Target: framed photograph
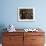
26,14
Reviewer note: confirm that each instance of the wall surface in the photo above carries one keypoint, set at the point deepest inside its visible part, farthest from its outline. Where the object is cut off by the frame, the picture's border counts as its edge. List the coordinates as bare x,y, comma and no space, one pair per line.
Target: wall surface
8,13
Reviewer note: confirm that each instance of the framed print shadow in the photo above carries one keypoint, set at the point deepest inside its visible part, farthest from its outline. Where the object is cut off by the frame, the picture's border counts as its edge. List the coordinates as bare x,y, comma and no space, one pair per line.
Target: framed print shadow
26,14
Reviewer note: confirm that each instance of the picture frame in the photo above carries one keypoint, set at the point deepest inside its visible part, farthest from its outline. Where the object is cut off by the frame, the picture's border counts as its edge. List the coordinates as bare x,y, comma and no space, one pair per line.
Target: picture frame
26,14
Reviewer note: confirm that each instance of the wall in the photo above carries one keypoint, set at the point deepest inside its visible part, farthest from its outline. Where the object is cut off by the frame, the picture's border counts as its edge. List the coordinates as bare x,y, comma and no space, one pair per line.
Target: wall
8,13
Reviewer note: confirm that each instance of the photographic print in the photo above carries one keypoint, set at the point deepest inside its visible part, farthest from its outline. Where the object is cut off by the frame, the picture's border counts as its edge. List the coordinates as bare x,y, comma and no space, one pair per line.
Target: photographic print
26,14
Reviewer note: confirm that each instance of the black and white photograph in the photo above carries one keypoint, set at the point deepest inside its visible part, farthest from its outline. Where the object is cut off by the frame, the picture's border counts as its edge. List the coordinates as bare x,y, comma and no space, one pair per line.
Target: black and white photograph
26,14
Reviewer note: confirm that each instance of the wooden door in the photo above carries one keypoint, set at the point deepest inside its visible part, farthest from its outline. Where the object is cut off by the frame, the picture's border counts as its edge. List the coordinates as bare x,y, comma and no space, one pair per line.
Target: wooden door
13,39
34,39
